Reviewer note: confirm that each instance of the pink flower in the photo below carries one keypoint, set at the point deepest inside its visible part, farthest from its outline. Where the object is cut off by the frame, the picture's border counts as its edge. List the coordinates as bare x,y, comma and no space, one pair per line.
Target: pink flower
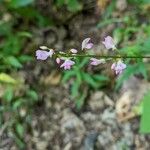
118,67
86,44
109,42
67,64
74,51
58,60
96,62
43,55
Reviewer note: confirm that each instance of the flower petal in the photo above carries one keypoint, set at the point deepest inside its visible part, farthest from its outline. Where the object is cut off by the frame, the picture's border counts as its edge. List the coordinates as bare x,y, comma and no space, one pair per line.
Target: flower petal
109,42
42,55
73,51
85,43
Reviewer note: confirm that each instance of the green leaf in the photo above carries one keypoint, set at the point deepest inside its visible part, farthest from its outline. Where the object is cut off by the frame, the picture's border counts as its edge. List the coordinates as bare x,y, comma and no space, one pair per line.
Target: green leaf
79,77
89,79
13,61
25,34
109,9
25,58
5,78
80,101
73,5
19,3
142,69
60,2
33,95
101,80
83,62
132,50
100,77
75,89
19,142
138,109
8,95
145,118
118,35
146,46
110,21
67,76
13,45
20,129
18,103
5,28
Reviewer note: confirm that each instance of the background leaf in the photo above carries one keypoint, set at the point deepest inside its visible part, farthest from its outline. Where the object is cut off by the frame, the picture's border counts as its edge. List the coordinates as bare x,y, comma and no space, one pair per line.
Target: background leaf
5,78
13,61
19,3
145,118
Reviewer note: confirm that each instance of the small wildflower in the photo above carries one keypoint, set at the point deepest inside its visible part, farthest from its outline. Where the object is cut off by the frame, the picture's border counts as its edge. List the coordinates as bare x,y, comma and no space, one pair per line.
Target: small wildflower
43,55
74,51
118,67
109,42
96,62
67,64
86,44
58,60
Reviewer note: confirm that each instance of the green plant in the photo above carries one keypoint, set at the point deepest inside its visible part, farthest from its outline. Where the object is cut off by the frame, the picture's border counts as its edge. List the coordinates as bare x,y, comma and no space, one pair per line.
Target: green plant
82,81
141,47
17,98
16,109
145,119
72,5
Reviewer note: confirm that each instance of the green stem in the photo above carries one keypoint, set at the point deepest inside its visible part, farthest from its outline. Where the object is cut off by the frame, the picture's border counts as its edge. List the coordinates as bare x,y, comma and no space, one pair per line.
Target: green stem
101,56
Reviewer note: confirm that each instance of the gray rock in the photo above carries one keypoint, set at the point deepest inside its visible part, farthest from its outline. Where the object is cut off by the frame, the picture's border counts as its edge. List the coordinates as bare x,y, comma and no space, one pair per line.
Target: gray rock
72,128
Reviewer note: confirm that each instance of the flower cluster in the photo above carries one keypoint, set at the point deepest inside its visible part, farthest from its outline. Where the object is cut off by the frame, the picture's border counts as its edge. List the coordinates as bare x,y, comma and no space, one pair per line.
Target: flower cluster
67,60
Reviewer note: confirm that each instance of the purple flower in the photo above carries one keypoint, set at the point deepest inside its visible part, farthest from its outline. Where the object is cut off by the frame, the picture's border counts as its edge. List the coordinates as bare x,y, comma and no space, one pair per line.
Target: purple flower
43,55
74,51
118,67
109,42
96,62
86,44
67,64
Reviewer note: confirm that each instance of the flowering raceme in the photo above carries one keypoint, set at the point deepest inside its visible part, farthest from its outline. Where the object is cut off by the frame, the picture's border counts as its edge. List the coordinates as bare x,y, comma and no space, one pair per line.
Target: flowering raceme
67,60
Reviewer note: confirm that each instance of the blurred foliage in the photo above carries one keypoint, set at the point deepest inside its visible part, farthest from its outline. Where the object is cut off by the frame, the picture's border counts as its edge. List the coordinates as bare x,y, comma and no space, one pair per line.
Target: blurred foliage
17,99
16,20
72,5
140,47
145,119
16,108
134,35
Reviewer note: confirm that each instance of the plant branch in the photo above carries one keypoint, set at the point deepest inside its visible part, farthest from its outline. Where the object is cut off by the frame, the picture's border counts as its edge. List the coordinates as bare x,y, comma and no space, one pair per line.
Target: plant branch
102,56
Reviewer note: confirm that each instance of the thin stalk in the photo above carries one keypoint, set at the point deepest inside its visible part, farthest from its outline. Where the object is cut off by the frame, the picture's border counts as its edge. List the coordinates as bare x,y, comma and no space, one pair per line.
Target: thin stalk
101,56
